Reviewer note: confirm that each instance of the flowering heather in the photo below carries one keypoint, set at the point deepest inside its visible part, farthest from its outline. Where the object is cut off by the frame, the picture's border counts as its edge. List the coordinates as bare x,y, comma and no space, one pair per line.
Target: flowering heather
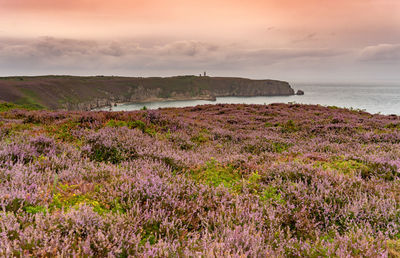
214,180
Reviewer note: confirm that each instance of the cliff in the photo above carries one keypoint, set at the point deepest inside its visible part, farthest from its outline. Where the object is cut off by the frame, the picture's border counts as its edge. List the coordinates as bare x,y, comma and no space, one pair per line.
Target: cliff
86,93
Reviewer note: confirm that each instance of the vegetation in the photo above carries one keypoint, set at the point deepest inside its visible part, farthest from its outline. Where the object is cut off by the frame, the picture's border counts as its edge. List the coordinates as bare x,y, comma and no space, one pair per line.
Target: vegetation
86,93
215,180
5,106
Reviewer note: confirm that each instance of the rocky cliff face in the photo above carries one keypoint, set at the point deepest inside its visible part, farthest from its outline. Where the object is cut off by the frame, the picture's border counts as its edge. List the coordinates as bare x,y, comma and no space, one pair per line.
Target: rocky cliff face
139,95
87,93
251,88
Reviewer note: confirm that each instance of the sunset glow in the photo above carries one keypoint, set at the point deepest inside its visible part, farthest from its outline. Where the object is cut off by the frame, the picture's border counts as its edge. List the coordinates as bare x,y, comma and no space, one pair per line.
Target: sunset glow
346,39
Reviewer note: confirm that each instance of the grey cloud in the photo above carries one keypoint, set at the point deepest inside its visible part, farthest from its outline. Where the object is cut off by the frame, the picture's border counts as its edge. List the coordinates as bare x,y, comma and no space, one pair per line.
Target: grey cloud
53,55
269,56
383,53
113,49
187,48
63,47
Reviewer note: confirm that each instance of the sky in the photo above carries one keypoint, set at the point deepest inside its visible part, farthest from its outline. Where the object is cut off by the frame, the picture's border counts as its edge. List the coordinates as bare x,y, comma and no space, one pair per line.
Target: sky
297,41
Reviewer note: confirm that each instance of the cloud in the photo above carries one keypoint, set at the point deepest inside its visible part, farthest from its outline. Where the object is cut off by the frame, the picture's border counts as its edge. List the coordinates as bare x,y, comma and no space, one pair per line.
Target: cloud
382,53
163,57
187,48
274,55
55,53
160,57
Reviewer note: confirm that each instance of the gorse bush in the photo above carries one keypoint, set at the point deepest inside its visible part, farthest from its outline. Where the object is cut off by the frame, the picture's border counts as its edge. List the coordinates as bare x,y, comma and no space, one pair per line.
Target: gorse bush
214,181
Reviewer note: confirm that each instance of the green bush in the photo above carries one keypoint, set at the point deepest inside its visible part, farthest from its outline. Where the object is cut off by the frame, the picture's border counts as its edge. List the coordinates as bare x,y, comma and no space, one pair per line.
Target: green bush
131,125
271,195
6,106
216,174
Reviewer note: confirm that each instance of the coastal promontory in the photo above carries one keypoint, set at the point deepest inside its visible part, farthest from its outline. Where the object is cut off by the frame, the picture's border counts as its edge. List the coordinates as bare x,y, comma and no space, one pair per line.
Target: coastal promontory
87,93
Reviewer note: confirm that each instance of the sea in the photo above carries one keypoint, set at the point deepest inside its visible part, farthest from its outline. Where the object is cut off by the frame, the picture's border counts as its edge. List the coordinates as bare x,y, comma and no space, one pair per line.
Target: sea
373,98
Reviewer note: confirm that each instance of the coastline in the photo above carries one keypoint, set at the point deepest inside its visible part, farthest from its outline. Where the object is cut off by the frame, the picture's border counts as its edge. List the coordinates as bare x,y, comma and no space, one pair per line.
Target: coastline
177,98
147,100
92,92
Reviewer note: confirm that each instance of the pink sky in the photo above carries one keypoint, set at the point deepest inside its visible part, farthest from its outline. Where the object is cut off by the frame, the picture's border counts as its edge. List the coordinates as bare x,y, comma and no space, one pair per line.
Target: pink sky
346,39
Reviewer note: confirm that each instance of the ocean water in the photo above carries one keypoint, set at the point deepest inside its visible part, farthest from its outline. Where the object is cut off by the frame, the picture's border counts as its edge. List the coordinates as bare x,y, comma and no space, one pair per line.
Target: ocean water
378,98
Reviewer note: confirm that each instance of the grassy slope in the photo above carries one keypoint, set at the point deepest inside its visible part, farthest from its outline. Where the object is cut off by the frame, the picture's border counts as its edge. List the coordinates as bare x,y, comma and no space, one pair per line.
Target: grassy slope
5,106
54,91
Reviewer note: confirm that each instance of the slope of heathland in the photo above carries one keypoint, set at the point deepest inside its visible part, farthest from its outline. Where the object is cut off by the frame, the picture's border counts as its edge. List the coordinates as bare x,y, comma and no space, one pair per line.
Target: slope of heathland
215,180
86,93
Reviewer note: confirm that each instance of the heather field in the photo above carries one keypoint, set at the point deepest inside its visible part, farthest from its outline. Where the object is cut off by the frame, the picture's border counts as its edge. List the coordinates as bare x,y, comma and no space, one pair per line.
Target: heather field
215,180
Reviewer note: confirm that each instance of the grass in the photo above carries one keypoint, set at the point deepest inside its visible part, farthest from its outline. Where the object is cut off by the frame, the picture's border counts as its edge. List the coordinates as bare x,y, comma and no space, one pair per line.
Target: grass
216,174
65,198
30,99
289,127
348,167
6,106
139,124
271,195
365,169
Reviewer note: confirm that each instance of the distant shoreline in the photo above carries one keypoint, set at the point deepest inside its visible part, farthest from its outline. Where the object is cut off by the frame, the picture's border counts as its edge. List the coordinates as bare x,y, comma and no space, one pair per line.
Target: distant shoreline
211,99
88,93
